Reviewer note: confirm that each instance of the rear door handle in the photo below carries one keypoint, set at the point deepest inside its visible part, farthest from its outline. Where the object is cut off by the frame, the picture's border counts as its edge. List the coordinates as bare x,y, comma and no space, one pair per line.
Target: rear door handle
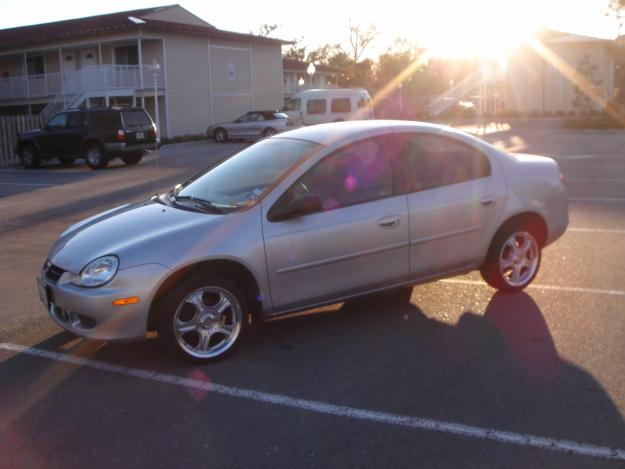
488,200
389,222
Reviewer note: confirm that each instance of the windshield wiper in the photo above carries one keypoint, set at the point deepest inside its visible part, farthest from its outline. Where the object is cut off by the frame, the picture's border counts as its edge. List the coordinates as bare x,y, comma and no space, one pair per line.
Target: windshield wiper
205,204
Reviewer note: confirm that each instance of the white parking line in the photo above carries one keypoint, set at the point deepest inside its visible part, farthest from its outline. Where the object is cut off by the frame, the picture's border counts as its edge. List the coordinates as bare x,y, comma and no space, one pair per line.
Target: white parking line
598,291
593,179
330,409
24,184
597,199
596,230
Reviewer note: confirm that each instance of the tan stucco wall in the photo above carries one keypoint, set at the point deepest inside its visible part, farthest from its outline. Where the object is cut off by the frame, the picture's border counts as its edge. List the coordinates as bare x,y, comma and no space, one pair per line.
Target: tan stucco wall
186,71
267,76
527,73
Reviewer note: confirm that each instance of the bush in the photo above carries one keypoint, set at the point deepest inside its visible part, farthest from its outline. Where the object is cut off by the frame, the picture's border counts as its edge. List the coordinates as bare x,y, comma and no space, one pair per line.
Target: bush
601,121
184,138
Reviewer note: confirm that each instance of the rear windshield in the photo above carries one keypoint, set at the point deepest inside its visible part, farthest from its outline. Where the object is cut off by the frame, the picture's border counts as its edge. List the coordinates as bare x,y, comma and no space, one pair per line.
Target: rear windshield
135,119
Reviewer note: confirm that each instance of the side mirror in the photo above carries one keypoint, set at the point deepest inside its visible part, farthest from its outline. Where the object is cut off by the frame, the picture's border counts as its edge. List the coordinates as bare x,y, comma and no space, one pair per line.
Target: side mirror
297,207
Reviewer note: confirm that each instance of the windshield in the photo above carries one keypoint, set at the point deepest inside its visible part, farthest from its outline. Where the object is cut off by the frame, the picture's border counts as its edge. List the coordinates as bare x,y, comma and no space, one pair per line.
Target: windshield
292,105
241,179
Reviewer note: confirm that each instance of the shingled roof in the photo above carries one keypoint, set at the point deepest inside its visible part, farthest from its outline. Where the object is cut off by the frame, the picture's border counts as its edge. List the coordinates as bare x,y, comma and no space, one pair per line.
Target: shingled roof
114,22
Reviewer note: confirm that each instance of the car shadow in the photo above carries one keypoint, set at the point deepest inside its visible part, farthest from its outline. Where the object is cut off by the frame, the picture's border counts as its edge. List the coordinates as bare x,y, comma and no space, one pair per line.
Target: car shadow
498,369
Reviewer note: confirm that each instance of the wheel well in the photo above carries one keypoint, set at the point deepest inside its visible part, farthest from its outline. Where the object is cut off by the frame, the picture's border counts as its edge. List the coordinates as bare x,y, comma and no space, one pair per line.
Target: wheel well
535,223
233,271
91,141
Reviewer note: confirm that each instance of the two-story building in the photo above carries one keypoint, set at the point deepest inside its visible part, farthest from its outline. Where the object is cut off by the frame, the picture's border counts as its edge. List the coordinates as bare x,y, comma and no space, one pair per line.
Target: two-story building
199,74
296,77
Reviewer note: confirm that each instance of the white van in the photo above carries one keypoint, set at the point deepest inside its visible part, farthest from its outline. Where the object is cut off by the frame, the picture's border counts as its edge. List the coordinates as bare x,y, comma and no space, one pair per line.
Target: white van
332,105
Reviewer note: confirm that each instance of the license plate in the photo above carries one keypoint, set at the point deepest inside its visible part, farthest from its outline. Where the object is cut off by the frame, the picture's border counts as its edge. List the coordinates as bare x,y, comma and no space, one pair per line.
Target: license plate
140,135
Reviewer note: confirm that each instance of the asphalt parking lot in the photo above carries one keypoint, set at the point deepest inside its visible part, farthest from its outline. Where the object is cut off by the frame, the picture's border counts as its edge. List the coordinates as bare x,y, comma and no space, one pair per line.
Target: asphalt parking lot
451,375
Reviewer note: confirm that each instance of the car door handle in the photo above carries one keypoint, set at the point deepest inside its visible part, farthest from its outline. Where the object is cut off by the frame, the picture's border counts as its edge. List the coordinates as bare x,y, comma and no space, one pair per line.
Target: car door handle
389,222
487,201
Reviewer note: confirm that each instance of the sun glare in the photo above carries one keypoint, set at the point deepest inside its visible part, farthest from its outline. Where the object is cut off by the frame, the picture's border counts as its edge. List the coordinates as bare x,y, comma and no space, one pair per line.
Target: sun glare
483,29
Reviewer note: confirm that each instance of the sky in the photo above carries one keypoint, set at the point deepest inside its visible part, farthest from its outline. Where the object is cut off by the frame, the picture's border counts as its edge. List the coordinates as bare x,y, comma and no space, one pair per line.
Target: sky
452,28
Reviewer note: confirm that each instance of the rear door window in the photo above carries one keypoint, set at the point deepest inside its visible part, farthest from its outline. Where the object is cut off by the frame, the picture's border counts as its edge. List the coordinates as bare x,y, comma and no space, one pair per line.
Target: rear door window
105,120
59,121
135,119
436,161
341,105
316,106
76,120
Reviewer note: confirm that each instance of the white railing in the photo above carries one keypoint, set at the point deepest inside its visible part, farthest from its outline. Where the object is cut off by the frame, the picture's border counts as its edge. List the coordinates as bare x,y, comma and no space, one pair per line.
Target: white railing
101,79
96,77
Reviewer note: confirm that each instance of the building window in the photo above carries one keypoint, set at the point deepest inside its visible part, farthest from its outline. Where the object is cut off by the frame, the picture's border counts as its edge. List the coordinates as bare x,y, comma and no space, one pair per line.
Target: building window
35,65
126,55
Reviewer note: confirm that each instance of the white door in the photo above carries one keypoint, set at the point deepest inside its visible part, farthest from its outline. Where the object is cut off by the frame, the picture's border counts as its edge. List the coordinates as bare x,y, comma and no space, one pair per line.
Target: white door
355,240
88,57
458,194
68,64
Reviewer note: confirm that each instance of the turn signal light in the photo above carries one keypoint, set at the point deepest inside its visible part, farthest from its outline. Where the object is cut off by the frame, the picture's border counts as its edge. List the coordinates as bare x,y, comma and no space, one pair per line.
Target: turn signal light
126,301
121,135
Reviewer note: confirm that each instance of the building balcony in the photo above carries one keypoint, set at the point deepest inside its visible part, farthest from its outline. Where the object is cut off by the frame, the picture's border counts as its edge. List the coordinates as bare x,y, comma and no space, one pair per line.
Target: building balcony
93,78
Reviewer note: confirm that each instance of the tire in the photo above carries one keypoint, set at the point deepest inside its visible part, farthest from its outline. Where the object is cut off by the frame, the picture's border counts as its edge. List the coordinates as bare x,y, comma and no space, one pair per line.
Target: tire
30,156
513,259
95,157
189,325
220,135
67,161
132,159
269,132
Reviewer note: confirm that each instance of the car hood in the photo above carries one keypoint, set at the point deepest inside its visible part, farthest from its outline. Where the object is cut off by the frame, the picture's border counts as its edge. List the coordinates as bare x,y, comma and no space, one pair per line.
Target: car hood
135,233
31,134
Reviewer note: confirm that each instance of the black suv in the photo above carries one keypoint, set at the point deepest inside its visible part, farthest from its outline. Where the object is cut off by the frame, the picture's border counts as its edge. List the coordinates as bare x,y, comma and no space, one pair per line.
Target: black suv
97,135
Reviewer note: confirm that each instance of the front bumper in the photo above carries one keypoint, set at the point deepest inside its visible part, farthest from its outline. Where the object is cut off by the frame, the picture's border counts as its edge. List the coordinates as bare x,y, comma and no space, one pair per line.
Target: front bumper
89,312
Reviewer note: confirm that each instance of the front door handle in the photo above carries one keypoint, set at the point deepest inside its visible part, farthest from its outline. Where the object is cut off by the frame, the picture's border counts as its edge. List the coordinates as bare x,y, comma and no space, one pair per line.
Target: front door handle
389,222
487,201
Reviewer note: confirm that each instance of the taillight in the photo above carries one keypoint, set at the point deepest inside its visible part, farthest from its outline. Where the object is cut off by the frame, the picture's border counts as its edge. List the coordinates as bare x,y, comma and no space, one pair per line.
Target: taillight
121,135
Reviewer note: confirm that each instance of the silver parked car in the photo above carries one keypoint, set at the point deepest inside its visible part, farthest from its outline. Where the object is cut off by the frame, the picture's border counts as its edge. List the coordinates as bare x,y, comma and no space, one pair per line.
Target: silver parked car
253,125
314,216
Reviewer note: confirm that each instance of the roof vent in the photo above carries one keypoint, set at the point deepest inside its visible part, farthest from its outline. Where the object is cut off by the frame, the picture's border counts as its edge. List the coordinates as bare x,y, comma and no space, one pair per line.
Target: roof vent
136,20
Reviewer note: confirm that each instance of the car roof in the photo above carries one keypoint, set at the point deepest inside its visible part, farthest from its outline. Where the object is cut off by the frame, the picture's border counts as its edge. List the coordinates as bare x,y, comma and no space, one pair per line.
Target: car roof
326,134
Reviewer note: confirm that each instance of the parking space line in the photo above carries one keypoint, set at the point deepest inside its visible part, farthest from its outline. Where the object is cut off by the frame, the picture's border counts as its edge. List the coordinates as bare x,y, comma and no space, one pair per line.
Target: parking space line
331,409
598,291
593,179
24,184
597,199
596,230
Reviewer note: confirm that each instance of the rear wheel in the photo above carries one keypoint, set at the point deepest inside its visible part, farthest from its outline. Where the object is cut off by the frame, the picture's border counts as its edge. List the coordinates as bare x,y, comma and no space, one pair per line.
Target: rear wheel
132,159
30,156
95,156
203,319
513,259
67,161
269,132
221,135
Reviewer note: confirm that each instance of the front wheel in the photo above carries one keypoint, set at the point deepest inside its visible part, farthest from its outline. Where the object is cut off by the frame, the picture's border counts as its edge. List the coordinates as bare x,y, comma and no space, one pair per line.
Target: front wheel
30,157
95,156
202,320
132,159
513,260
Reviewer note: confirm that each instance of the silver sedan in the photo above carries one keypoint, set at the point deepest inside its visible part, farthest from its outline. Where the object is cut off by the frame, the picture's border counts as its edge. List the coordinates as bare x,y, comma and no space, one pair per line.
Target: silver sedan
314,216
253,125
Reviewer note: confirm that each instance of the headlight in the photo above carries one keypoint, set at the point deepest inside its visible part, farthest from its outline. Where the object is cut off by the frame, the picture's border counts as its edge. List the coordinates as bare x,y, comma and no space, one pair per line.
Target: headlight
98,272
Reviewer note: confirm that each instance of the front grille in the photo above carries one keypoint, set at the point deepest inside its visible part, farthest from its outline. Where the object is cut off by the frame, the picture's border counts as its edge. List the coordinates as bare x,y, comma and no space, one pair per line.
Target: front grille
52,272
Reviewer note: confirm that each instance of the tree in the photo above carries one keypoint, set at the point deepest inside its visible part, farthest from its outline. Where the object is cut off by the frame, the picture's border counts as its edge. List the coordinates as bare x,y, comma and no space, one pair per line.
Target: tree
266,29
616,8
359,38
295,51
583,100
